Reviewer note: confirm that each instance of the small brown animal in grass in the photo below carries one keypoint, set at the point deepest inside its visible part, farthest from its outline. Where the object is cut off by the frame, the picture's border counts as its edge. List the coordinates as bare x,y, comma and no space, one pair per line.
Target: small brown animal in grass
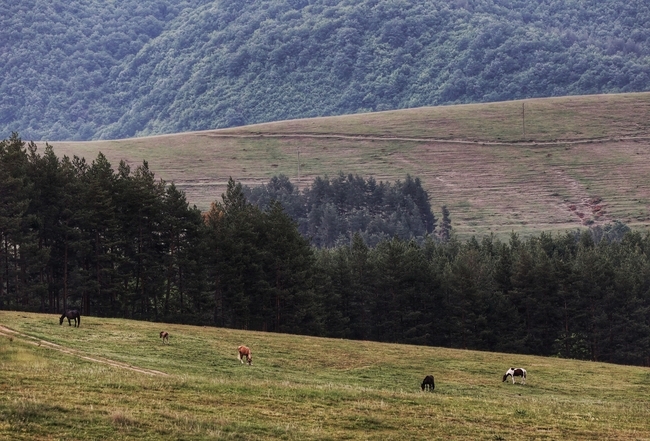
243,351
165,336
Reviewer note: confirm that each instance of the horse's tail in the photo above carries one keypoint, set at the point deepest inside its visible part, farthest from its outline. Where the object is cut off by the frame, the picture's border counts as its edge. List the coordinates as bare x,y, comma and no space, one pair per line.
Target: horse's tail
79,319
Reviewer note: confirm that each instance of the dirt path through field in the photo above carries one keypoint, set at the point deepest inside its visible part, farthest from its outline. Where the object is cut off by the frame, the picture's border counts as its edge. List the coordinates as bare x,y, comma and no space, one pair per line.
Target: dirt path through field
436,140
46,344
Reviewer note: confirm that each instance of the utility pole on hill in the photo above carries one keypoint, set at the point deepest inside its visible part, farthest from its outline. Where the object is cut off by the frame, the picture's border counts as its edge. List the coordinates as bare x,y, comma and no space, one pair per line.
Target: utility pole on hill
523,118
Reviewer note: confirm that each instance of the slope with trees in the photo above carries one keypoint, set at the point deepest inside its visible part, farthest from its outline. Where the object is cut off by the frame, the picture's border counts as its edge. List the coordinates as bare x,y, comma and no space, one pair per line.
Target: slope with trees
91,70
121,243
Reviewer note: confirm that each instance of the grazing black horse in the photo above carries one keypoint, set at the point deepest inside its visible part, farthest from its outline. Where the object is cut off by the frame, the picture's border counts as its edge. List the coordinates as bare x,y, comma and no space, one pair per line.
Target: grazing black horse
73,314
428,383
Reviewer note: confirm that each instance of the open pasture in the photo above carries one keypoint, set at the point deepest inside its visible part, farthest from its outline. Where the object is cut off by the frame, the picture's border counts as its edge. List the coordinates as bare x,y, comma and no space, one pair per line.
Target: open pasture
524,166
117,380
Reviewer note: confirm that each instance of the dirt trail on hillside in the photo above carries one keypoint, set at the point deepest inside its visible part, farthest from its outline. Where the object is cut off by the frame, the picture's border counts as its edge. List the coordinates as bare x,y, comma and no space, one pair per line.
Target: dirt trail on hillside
437,140
49,345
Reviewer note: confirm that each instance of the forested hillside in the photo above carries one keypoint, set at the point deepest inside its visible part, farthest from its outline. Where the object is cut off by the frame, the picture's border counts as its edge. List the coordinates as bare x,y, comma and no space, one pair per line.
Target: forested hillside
120,243
93,70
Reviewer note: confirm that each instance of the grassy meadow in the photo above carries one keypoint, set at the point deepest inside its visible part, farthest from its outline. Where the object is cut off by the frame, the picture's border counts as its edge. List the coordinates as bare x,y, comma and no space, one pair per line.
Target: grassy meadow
528,166
298,388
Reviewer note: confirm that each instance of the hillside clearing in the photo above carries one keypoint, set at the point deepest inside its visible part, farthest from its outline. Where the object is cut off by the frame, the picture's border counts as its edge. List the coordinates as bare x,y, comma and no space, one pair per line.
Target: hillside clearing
298,388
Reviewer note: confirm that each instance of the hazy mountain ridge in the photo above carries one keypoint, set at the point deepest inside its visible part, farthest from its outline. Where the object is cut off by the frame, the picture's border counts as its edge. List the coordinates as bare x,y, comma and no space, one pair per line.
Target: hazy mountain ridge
84,71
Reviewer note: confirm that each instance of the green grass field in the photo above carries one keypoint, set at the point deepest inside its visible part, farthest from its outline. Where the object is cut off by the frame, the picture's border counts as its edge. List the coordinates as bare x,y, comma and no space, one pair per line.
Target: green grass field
496,171
116,380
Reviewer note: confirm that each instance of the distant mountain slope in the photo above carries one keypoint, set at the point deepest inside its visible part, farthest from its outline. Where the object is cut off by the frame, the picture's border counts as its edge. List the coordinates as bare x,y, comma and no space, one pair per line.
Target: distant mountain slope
76,70
62,62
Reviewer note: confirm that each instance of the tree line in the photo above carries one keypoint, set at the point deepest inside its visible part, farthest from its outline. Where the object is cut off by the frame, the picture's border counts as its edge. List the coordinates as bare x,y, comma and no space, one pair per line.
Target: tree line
121,243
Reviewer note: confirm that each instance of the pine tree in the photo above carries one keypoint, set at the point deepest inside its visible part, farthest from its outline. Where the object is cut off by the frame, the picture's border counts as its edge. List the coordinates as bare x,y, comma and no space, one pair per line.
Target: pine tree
289,270
46,208
14,202
99,224
181,228
141,214
359,291
444,233
235,262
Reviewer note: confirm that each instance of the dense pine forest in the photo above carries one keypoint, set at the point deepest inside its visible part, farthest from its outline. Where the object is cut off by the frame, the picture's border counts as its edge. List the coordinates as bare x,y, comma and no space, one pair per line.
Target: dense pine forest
77,70
331,211
120,243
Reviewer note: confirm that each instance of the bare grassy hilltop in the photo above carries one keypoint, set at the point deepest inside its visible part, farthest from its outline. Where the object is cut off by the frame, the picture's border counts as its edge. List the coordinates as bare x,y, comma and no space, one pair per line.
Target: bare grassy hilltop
524,166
